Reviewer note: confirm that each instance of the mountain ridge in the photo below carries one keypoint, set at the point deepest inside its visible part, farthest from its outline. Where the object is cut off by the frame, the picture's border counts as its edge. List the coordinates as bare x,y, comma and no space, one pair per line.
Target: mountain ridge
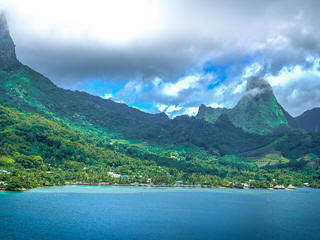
259,109
54,136
29,90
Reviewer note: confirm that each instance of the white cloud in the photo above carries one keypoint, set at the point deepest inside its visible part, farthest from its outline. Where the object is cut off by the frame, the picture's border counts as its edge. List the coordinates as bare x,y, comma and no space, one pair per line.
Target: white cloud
152,43
172,109
191,111
173,89
215,105
252,70
297,88
107,96
295,73
161,107
240,88
98,19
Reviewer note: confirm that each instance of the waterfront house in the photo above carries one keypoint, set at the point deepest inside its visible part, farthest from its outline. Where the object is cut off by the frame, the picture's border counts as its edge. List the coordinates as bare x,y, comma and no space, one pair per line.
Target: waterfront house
114,175
291,187
179,182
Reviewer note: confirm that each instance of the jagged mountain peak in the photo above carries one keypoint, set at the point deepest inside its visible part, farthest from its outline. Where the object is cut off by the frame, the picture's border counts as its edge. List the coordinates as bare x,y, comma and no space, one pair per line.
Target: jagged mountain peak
256,112
258,83
8,59
256,87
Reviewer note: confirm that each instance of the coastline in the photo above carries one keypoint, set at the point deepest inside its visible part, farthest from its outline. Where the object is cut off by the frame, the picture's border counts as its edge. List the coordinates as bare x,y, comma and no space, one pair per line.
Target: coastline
159,186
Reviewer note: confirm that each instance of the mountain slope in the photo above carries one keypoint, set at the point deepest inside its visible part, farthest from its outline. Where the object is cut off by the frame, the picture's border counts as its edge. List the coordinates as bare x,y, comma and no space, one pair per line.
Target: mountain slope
49,136
219,138
24,88
210,114
234,130
309,120
27,89
256,112
30,90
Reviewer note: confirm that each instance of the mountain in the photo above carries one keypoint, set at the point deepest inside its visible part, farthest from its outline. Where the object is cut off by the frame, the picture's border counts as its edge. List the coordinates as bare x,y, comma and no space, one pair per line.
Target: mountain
256,112
222,131
309,120
8,59
52,136
220,138
23,88
210,114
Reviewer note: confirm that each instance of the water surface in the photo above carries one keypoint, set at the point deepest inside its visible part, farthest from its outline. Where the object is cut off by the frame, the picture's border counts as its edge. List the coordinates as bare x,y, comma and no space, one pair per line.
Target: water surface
109,212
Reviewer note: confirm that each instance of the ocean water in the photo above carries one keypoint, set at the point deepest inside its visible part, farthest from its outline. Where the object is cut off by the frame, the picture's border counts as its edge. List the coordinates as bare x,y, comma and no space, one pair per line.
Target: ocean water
109,212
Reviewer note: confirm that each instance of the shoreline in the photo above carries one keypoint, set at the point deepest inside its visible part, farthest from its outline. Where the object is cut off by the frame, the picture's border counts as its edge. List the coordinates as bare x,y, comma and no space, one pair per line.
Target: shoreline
159,186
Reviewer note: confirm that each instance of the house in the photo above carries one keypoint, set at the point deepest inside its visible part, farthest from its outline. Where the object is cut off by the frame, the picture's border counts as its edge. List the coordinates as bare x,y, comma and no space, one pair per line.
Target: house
114,175
245,185
179,182
149,180
291,187
306,184
125,176
279,187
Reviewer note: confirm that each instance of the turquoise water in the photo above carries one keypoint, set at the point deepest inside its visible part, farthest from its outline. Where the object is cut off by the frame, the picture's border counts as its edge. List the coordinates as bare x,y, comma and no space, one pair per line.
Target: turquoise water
92,212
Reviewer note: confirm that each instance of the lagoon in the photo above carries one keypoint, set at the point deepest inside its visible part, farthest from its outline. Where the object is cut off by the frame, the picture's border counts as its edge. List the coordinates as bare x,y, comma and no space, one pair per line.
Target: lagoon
123,212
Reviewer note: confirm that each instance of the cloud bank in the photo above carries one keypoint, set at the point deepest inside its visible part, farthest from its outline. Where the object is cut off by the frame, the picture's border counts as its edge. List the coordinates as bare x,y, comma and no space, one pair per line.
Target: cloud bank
172,55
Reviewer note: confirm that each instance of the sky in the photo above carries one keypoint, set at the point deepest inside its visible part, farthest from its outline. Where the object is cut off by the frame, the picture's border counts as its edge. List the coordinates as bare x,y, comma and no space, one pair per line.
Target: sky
172,55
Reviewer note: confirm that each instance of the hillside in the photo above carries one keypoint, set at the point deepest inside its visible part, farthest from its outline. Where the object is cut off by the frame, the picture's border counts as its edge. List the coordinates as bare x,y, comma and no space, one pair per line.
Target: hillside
24,88
309,120
51,136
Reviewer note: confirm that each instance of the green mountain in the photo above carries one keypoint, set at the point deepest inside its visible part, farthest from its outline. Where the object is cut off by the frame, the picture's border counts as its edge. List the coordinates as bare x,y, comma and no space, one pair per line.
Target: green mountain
8,58
258,111
27,89
309,120
210,114
24,88
49,136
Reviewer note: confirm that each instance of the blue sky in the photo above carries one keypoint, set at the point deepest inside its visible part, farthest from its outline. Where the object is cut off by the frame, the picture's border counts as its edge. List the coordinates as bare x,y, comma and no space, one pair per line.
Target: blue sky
172,56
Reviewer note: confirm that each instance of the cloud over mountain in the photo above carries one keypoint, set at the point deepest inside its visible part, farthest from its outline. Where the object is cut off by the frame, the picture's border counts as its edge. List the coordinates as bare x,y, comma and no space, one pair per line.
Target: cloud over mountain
174,53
